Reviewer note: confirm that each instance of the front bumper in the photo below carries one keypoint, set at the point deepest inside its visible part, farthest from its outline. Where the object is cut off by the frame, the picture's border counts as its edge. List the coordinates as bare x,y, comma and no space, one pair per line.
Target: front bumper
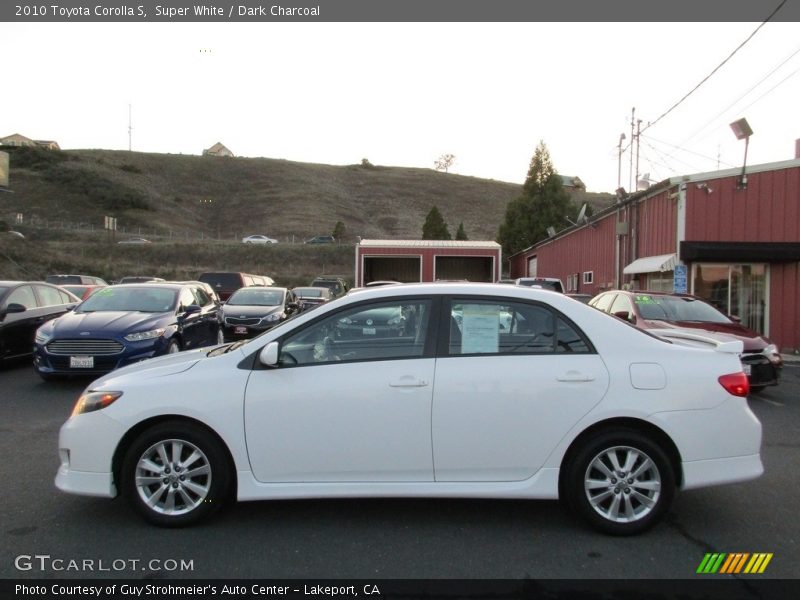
86,446
59,364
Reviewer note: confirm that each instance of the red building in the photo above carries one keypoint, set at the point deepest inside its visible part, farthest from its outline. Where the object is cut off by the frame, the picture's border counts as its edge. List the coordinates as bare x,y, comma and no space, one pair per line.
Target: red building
426,260
731,240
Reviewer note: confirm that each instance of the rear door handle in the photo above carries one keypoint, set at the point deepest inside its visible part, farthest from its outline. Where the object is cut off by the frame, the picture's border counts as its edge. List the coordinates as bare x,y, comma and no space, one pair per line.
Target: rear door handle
408,382
574,377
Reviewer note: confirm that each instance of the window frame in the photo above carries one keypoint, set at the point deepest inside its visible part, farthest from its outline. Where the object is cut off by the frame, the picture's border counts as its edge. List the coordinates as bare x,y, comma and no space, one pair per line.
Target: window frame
445,311
429,345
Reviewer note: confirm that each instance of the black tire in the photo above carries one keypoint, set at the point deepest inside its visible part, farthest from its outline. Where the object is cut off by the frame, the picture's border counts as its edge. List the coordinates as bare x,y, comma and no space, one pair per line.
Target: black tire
173,346
195,497
620,505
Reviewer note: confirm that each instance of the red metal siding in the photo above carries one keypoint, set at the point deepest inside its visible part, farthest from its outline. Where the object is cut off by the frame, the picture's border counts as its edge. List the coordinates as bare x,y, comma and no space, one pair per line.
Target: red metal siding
784,310
767,211
586,249
656,225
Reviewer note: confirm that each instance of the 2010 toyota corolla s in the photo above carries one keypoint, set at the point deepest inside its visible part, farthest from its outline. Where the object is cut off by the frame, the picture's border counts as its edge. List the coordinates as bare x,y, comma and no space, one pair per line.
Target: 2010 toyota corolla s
527,394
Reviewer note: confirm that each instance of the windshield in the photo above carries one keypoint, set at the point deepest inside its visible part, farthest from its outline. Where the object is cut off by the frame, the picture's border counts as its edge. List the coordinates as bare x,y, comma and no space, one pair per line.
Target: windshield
142,299
256,297
677,308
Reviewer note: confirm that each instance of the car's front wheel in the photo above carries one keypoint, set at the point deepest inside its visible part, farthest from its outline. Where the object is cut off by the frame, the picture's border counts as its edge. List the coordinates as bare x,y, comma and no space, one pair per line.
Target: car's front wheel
620,481
175,474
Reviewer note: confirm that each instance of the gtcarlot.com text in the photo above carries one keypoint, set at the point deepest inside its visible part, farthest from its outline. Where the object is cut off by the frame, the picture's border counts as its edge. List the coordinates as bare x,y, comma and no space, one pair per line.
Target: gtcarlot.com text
46,563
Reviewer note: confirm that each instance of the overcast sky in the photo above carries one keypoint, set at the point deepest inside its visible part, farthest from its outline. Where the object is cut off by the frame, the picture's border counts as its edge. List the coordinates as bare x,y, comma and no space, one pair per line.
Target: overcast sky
402,94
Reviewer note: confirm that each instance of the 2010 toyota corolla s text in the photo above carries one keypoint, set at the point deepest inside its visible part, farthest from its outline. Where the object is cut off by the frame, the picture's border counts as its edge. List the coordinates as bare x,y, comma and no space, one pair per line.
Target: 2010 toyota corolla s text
470,390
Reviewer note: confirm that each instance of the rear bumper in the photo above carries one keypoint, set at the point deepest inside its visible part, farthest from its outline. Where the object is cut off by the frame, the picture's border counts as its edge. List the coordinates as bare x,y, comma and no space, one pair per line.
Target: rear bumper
702,473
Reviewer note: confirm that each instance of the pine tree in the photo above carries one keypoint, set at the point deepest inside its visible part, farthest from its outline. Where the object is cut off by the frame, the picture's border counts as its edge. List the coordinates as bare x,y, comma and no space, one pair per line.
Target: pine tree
434,227
543,203
461,234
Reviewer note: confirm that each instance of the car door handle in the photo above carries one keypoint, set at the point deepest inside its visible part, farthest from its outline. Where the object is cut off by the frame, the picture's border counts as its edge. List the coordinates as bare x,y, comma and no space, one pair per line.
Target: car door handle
408,382
574,376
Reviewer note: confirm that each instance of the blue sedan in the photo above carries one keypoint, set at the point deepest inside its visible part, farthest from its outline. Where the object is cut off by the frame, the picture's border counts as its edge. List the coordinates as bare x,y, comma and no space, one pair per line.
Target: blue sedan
124,324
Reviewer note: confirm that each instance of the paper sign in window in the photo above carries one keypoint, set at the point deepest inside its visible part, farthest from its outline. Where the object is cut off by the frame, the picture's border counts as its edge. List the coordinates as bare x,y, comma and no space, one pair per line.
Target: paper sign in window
480,332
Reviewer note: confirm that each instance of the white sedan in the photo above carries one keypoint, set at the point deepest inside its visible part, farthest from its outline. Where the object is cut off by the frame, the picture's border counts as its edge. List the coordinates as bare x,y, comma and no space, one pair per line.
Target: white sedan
386,393
258,239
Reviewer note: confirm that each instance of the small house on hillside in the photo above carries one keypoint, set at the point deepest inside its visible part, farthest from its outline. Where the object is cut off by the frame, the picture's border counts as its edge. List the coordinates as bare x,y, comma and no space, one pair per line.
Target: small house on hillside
17,139
572,182
217,149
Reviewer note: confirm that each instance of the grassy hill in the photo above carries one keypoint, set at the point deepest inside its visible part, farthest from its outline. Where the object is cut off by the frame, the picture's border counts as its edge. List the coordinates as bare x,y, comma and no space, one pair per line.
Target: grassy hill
178,200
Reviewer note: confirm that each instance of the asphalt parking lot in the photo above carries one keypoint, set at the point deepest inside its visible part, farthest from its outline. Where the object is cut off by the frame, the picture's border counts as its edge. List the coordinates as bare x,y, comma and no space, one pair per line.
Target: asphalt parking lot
384,539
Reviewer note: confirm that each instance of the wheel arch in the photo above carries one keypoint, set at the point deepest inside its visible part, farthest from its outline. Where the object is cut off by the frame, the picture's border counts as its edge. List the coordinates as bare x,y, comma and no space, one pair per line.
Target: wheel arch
629,423
134,432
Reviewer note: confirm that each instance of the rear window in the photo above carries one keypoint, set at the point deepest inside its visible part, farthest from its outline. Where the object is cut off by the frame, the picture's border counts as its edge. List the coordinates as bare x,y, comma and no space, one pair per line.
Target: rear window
225,281
62,279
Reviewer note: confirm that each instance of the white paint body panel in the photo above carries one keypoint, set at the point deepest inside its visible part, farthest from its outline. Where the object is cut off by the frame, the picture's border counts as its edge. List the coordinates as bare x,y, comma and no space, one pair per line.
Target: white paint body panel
373,440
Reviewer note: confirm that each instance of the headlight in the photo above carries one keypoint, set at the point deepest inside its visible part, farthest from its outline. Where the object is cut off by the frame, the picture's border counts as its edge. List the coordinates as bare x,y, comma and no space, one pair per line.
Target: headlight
145,335
42,336
271,318
91,401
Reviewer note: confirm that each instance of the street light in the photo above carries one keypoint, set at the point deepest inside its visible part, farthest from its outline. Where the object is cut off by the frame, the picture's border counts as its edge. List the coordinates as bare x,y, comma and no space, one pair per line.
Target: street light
741,129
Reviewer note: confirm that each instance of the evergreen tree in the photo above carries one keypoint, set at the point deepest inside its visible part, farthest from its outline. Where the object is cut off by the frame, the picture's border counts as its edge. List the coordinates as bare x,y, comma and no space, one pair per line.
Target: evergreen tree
461,234
543,203
434,227
339,231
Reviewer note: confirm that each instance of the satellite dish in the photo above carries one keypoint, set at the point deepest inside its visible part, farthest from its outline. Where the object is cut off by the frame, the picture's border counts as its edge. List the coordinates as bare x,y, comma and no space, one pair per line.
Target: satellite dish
551,231
582,215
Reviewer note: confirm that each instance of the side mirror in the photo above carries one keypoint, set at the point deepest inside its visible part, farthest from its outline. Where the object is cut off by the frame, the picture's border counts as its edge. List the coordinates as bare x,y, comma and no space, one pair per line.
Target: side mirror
269,355
191,309
735,318
14,308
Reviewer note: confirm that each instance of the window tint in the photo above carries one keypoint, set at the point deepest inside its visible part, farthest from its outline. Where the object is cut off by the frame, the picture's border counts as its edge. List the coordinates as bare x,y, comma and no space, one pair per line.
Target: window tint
387,330
186,299
48,296
604,302
478,327
201,298
22,295
622,305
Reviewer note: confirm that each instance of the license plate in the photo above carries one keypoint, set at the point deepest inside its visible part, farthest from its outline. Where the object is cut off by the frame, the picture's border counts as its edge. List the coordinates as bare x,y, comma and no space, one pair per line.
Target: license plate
240,330
81,362
368,331
748,369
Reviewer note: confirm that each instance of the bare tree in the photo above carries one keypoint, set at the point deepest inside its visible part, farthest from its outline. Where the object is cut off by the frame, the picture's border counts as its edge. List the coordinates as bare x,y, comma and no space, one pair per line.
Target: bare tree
444,162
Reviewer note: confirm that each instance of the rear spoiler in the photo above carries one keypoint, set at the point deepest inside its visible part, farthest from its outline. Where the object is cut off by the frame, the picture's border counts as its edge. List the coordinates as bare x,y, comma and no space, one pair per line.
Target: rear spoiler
701,341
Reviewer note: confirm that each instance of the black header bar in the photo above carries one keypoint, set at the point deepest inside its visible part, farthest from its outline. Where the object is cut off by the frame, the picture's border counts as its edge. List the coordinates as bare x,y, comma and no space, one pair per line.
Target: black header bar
180,11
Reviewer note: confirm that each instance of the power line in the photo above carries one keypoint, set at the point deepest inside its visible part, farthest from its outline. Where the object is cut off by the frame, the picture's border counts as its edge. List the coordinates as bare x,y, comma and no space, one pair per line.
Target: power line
731,105
707,77
685,150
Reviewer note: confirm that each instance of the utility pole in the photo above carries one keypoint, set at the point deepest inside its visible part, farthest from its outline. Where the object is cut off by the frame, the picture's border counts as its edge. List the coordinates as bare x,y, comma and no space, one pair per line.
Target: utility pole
638,133
130,128
631,183
619,160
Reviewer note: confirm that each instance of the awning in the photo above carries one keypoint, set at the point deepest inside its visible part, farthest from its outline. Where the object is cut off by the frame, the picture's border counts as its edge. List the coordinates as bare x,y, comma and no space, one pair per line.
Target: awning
652,264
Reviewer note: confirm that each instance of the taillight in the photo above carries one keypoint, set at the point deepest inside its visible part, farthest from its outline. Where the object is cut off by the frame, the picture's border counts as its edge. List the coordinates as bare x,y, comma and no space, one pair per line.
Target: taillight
736,384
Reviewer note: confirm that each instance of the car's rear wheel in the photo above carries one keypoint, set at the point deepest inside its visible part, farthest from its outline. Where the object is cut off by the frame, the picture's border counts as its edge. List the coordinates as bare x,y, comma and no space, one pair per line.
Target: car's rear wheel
620,481
176,474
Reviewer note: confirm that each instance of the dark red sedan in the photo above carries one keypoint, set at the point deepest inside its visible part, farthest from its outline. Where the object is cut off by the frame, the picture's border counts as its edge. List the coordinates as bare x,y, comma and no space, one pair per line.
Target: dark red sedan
761,359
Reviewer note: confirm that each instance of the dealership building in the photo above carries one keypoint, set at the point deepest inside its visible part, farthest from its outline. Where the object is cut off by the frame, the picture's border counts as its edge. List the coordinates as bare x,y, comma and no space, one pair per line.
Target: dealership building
731,237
